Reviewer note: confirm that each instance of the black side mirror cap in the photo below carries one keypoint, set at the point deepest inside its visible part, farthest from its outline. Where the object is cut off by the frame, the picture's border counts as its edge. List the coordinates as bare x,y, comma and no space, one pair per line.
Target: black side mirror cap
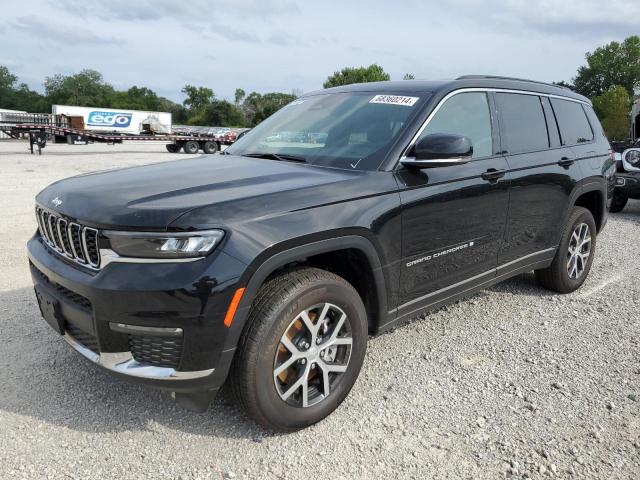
439,150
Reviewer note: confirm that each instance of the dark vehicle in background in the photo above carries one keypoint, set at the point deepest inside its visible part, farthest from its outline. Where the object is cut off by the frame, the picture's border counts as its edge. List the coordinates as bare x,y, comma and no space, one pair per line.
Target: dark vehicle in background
628,176
242,132
268,266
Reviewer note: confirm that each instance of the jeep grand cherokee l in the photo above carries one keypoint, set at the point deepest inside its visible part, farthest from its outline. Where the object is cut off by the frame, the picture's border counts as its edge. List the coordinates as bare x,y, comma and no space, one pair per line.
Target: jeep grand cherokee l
269,265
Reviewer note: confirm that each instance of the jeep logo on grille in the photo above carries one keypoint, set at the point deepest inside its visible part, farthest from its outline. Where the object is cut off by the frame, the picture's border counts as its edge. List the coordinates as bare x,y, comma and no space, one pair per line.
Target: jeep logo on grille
56,202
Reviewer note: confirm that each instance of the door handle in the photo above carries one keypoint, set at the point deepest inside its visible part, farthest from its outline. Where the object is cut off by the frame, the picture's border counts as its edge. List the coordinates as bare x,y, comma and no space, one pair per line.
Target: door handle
566,161
493,175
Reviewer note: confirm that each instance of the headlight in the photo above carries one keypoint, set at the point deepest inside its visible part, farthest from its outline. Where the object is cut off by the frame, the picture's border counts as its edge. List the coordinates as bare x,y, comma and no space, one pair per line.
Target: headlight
633,158
164,245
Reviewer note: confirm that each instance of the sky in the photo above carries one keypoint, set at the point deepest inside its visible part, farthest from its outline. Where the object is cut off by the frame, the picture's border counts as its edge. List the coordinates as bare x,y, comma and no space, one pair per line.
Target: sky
287,45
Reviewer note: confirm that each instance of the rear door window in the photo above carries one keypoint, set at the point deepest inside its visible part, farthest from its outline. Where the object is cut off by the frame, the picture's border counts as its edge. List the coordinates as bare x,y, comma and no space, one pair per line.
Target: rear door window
573,123
523,127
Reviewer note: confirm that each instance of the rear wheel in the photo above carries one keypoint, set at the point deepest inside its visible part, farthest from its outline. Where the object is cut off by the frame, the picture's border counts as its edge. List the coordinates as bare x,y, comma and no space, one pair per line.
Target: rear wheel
173,147
302,350
574,256
618,202
209,147
191,147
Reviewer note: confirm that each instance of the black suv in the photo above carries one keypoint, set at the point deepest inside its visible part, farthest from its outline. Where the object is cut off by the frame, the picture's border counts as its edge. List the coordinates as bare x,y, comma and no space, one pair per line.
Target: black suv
269,265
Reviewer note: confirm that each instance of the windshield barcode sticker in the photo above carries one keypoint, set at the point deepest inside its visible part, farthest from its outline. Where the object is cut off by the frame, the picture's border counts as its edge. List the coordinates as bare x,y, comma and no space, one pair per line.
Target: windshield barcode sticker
395,100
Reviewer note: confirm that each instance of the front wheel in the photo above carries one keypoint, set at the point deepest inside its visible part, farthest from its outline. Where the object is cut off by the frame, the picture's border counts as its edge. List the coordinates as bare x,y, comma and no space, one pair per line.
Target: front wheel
574,256
302,350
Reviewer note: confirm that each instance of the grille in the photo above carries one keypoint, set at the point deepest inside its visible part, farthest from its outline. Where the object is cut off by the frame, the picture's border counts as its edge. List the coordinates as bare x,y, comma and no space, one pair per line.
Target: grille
73,297
74,241
82,337
158,351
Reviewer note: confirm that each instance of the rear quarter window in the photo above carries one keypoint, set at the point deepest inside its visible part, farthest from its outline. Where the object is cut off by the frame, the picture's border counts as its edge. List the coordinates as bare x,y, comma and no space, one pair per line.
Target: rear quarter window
572,121
523,127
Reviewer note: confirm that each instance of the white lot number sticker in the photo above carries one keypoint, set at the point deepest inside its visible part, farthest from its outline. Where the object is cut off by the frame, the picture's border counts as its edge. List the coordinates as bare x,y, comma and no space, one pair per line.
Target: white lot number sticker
395,100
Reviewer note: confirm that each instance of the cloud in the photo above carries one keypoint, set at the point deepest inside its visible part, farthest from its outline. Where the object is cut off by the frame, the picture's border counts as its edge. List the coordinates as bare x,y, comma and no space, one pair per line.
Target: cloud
281,39
235,35
48,32
568,18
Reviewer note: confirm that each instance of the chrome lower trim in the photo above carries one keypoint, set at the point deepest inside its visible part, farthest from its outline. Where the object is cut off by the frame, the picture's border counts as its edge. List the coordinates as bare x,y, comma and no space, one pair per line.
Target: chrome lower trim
520,259
141,330
125,364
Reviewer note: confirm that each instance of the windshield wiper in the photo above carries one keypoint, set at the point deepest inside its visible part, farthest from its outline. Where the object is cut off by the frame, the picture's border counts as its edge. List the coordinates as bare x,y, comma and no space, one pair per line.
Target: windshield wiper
277,156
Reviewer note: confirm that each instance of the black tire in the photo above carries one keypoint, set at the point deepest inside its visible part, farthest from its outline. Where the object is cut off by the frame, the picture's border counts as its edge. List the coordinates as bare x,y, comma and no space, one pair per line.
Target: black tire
41,140
618,202
173,147
557,277
209,147
275,310
191,147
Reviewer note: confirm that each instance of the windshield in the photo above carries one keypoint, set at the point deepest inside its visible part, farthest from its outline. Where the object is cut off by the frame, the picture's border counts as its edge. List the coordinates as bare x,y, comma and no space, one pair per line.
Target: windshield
345,130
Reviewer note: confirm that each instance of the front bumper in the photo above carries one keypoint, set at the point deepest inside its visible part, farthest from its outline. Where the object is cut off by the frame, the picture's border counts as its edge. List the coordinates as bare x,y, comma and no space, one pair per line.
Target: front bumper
124,363
628,184
118,317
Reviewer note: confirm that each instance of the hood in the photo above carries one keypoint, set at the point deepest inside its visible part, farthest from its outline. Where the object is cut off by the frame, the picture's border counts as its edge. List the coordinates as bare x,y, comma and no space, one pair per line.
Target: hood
153,196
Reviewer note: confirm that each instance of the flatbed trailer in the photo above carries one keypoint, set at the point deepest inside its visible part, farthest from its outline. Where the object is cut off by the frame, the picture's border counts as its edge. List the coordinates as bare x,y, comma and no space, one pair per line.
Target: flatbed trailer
40,127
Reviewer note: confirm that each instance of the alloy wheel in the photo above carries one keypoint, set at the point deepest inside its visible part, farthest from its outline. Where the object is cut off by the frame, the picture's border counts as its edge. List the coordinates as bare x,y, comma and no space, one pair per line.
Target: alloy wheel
312,355
579,251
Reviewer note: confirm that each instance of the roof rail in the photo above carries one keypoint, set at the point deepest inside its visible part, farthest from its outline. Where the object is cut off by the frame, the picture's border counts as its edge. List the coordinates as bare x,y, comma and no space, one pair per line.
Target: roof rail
498,77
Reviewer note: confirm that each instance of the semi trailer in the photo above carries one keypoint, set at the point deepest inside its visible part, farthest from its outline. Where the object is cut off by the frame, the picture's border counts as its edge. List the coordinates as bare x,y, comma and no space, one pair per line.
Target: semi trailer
42,127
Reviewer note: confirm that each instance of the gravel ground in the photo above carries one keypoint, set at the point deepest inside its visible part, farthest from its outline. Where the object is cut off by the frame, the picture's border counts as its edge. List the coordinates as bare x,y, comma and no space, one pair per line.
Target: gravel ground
512,382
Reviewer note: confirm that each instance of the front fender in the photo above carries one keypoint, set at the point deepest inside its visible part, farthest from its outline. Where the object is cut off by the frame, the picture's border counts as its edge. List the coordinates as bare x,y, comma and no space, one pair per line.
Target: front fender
277,257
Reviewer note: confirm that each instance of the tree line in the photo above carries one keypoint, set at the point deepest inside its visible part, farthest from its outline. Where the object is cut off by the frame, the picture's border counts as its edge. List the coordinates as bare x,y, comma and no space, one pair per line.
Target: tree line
610,78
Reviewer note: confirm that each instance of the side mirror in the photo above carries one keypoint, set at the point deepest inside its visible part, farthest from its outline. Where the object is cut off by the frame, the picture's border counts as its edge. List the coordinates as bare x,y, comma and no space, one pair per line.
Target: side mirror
439,150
